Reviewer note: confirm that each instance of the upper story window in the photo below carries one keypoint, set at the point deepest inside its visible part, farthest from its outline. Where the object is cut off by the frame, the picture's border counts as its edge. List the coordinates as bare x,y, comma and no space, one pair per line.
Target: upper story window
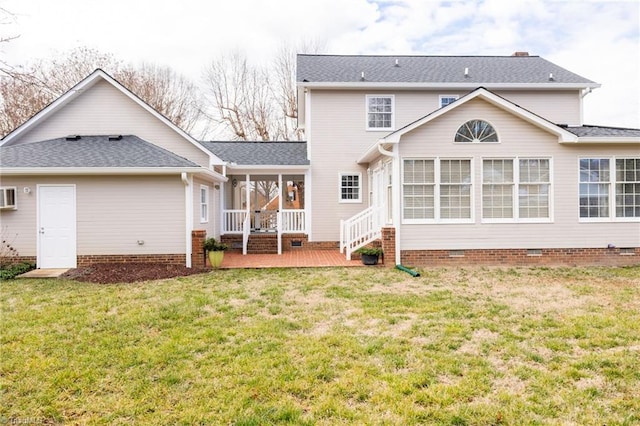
350,188
474,131
609,188
447,99
380,112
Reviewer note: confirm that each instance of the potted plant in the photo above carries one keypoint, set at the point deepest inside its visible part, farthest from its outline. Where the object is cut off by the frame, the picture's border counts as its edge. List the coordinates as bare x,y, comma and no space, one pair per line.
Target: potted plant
370,255
215,251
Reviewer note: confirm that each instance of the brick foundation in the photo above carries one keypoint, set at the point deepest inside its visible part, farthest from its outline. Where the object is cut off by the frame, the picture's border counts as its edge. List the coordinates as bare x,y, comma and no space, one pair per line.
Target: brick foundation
270,242
169,259
523,257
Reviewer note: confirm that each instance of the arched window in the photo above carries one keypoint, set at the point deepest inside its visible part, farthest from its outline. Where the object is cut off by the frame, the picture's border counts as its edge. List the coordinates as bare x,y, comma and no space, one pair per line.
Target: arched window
476,131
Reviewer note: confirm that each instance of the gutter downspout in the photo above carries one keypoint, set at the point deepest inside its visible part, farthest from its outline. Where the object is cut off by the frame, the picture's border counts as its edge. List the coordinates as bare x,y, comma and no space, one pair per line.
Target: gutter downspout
188,205
395,190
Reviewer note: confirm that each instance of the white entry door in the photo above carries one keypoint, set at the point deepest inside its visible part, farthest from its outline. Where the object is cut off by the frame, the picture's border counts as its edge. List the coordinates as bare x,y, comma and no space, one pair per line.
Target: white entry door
57,226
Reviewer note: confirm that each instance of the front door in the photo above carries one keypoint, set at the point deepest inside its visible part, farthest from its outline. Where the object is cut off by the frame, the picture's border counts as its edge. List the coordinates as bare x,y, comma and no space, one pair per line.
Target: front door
57,226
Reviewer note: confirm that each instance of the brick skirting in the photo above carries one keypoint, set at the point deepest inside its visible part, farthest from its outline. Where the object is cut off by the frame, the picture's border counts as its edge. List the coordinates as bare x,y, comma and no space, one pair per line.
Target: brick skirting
290,242
523,257
169,259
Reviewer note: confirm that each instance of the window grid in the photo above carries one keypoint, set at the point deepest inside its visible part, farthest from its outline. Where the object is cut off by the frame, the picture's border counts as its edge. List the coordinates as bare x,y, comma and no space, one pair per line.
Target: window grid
595,176
204,204
419,189
497,189
379,112
350,188
475,131
627,187
455,189
533,188
447,99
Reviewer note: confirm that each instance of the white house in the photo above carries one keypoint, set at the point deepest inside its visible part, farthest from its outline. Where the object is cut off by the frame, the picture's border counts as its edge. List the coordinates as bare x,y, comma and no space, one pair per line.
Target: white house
439,159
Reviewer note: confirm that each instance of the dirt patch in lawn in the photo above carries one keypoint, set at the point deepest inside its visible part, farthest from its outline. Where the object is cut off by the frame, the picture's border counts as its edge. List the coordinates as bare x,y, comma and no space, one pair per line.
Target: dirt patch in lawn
107,273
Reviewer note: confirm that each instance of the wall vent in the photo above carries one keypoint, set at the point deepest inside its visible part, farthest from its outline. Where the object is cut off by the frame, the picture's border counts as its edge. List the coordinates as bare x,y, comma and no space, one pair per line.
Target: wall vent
456,253
296,243
534,252
627,251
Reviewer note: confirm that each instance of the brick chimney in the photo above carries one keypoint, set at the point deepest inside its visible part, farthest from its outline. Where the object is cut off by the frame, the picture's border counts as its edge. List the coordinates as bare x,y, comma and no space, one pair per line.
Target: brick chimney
520,54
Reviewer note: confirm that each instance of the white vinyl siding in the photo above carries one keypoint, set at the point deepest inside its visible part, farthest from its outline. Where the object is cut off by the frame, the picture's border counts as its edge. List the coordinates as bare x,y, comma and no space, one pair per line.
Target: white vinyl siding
104,110
380,112
609,189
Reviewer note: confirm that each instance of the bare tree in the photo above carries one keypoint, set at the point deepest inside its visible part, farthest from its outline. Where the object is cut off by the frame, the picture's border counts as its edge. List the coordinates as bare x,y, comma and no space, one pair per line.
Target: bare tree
6,18
253,102
166,91
25,92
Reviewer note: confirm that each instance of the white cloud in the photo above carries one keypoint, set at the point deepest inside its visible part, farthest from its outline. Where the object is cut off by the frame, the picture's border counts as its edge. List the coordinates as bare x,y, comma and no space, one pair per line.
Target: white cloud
599,40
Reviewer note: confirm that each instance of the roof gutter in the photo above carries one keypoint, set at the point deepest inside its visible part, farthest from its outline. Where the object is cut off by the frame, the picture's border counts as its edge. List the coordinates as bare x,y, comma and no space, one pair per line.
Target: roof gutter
60,171
432,85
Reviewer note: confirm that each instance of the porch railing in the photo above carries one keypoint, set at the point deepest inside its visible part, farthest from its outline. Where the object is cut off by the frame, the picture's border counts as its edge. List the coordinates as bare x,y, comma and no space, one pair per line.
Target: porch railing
359,230
293,221
234,221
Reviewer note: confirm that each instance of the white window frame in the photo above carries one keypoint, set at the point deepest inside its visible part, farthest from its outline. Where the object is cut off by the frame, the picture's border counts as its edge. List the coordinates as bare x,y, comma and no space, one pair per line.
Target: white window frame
4,190
476,141
441,98
393,113
340,187
611,191
515,194
437,193
204,205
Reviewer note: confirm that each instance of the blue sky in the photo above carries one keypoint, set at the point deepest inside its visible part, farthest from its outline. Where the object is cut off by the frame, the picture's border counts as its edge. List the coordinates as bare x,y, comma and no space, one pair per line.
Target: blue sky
599,40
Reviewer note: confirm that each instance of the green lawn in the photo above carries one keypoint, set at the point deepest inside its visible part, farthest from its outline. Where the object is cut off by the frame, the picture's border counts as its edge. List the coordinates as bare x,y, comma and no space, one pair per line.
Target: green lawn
474,346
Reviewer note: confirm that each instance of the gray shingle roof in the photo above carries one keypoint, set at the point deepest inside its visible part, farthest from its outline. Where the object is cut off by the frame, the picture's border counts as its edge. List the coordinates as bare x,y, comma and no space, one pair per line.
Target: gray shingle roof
433,69
90,151
602,131
290,153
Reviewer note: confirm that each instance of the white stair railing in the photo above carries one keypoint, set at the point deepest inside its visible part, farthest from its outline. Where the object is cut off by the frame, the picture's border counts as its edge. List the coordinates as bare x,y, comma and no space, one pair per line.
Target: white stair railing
359,230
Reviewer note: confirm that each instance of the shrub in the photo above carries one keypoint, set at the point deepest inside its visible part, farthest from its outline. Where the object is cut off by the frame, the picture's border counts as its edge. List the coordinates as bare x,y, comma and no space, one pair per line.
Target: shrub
211,244
9,272
370,251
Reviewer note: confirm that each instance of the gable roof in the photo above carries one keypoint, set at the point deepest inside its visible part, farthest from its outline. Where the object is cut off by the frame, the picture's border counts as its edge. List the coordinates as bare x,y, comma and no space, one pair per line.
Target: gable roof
252,153
91,151
449,71
77,90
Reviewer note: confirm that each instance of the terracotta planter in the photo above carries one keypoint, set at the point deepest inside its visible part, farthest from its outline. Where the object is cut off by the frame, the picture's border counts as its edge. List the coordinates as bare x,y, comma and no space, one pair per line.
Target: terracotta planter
369,259
215,258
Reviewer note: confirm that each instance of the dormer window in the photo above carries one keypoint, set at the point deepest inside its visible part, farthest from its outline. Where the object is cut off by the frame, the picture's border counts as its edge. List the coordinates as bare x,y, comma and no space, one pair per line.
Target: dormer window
380,112
475,131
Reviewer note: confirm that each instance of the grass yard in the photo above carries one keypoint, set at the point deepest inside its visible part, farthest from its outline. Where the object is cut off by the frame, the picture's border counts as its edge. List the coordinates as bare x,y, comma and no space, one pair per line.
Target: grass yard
475,346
